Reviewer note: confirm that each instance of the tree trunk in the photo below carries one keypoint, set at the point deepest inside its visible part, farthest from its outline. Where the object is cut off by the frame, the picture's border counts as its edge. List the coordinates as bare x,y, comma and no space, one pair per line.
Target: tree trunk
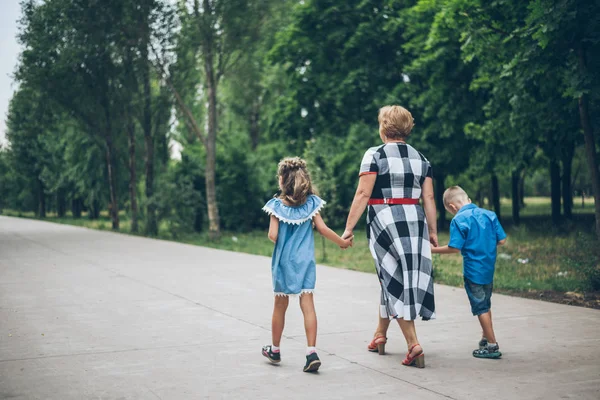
94,212
516,197
522,190
590,141
496,195
567,189
254,127
479,198
211,189
555,190
61,203
199,209
439,200
76,207
211,136
41,195
112,182
132,172
151,223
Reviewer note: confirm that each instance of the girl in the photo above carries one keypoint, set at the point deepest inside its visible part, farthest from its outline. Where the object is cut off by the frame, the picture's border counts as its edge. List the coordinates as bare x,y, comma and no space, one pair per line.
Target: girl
293,266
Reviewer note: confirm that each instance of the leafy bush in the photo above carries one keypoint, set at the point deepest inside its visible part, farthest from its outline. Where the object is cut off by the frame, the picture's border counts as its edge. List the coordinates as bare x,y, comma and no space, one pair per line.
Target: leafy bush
238,191
585,260
180,194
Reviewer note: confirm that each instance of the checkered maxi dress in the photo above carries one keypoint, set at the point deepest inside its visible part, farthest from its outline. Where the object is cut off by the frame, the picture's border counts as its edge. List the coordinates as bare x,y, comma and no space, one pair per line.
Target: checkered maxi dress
398,234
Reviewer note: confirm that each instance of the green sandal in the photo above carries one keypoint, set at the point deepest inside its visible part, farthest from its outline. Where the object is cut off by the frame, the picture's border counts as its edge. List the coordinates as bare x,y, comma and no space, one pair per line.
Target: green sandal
488,352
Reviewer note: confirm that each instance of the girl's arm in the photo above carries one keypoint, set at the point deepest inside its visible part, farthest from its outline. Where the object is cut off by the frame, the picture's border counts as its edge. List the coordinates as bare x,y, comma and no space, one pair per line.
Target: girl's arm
430,210
361,199
444,250
324,230
273,229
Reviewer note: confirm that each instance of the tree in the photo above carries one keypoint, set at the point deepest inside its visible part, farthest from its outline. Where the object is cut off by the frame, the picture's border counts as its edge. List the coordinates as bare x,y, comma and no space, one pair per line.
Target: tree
218,33
526,82
570,31
73,54
29,119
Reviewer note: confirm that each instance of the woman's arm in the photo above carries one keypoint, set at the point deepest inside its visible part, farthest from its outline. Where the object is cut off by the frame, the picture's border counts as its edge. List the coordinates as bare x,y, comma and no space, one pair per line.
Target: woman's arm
324,230
366,183
430,210
273,229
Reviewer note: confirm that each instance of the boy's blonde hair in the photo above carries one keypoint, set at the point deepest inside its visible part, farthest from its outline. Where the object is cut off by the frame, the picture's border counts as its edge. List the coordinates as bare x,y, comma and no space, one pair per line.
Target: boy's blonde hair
455,194
296,185
395,122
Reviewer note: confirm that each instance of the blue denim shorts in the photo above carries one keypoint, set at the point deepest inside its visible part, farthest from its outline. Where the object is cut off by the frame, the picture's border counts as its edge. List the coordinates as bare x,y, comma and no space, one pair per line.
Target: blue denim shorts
480,296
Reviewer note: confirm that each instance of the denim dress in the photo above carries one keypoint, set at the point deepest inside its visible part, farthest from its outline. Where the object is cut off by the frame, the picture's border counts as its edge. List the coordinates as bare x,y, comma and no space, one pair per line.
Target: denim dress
293,266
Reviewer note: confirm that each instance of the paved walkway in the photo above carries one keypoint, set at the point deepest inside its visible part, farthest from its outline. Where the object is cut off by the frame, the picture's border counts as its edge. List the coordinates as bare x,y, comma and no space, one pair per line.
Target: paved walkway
95,315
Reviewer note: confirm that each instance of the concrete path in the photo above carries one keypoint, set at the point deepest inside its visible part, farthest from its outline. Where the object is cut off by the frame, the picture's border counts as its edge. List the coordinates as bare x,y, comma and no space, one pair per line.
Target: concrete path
95,315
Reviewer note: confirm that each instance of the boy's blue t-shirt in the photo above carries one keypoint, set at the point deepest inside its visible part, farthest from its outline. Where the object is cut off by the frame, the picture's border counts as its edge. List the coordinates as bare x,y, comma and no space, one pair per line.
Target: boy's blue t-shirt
476,233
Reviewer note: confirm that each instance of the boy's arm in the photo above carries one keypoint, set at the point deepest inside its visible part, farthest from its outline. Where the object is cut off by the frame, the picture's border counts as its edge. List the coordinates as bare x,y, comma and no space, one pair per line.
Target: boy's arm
444,250
273,229
324,230
500,234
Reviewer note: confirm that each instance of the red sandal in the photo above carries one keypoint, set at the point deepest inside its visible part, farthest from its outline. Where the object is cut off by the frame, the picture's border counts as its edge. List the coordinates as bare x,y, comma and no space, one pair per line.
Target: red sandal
377,345
418,360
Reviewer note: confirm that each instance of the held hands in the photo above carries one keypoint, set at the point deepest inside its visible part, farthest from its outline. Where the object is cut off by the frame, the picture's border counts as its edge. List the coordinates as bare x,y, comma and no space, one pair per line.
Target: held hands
348,238
347,243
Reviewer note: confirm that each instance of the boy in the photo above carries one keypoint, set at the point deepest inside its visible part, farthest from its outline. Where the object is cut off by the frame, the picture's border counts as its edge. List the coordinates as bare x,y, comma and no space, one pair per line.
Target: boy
475,233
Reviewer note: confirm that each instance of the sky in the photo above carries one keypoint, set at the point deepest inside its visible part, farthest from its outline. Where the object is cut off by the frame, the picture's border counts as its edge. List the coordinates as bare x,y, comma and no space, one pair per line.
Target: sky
9,53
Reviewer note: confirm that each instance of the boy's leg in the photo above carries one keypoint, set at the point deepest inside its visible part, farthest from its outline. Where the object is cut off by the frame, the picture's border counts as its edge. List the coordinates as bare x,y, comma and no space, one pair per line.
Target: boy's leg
307,306
278,321
485,320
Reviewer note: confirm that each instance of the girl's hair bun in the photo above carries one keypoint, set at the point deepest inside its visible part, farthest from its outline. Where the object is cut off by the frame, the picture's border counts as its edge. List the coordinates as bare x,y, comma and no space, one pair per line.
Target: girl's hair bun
292,163
296,185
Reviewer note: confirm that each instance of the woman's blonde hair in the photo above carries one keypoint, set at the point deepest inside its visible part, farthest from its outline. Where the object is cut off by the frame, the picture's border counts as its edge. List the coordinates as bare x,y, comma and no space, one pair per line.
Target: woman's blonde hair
296,185
395,122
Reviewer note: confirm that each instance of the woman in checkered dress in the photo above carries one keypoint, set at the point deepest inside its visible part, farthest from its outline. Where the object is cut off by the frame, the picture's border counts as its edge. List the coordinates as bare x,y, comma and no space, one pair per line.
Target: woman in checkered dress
393,178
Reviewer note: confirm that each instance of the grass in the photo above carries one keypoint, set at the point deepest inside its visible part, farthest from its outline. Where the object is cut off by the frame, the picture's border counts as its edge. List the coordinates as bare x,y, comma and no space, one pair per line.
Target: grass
537,257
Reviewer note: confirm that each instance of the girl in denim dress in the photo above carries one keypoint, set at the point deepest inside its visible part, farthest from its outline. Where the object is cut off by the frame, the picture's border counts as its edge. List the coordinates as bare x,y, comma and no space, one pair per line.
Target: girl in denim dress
293,266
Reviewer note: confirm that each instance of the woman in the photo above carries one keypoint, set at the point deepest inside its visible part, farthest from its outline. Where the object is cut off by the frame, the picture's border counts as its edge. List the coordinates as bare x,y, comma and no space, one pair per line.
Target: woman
393,177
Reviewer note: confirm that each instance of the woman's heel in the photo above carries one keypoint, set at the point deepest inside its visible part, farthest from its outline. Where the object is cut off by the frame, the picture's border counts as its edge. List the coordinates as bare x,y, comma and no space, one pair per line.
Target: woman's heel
420,361
417,360
377,345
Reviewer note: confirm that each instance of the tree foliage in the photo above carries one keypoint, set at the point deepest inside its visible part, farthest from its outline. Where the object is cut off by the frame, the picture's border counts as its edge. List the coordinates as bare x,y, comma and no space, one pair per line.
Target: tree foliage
504,93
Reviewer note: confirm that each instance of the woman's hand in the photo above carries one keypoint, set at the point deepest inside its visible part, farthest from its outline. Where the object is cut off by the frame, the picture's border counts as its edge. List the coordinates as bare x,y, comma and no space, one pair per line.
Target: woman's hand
348,238
347,234
433,239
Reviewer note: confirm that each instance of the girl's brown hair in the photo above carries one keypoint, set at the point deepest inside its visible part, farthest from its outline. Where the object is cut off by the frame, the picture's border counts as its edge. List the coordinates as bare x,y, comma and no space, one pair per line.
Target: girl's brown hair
296,185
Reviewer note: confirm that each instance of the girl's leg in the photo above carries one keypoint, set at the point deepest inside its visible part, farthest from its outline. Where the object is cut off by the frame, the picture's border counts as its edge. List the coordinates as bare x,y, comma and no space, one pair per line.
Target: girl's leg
307,306
278,321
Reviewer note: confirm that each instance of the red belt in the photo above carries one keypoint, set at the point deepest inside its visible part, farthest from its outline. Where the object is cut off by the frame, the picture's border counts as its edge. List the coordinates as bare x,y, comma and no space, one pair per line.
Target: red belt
393,201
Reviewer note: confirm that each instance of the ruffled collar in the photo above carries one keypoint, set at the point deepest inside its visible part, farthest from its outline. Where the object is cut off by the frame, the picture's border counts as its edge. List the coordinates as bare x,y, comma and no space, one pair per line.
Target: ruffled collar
294,215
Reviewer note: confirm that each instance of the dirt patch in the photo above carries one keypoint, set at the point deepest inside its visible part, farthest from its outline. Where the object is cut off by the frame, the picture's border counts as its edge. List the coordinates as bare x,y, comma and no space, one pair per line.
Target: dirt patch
589,300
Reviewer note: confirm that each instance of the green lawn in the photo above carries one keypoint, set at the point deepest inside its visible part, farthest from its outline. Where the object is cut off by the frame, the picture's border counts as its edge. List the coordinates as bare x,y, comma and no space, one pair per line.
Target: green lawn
537,257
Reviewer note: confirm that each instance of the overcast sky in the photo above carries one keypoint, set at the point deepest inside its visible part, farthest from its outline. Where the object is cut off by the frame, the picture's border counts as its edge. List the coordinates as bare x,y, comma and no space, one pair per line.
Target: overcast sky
9,52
